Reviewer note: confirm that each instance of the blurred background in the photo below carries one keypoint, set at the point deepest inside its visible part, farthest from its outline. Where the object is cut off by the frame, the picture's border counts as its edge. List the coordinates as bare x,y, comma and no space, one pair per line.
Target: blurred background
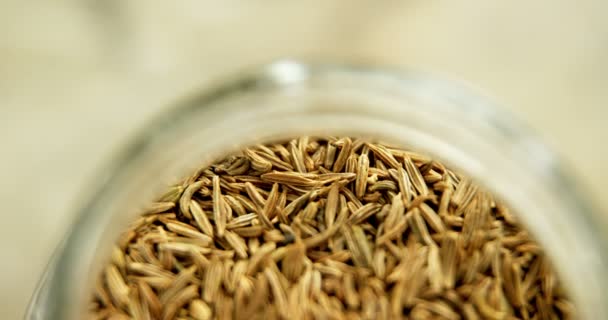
77,78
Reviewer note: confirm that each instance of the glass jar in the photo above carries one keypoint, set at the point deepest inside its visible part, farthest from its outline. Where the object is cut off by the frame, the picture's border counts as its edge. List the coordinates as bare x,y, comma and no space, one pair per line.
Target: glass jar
287,99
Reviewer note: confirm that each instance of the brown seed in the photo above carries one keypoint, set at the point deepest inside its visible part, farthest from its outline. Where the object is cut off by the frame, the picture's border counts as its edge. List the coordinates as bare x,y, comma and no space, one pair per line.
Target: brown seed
149,270
235,205
278,291
434,271
431,218
361,181
219,214
330,155
419,227
297,156
364,213
150,298
449,255
396,212
172,194
383,185
512,281
258,163
158,207
184,278
183,297
331,207
290,179
249,232
403,181
242,221
188,231
199,310
469,312
345,152
259,255
350,294
415,176
201,219
440,308
333,232
269,207
213,280
184,200
118,289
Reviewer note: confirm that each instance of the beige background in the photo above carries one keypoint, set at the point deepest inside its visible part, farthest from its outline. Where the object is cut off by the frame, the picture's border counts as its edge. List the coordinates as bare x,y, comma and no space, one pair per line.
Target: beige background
76,78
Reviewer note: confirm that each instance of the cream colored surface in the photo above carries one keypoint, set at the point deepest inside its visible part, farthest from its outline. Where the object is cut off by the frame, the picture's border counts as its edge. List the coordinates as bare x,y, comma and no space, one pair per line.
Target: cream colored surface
77,78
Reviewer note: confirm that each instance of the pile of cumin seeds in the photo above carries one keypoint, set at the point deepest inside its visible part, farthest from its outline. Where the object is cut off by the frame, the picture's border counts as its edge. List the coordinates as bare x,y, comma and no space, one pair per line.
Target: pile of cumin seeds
327,228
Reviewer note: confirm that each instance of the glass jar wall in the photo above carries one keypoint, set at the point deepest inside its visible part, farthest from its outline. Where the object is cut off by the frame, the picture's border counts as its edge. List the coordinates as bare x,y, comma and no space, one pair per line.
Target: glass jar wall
287,99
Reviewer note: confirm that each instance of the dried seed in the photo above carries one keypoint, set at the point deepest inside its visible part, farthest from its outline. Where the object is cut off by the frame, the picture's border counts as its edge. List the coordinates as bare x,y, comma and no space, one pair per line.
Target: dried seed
149,270
199,310
249,232
297,156
469,312
415,176
396,212
184,200
289,178
379,263
512,281
330,155
201,219
235,204
364,213
118,289
403,181
246,203
259,255
449,254
219,214
361,181
431,218
332,233
419,227
293,265
150,298
383,185
345,152
213,280
158,207
276,161
434,271
270,207
146,252
188,231
258,163
440,308
350,294
278,291
172,194
182,249
395,231
183,297
242,221
351,163
237,243
381,152
331,207
184,278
